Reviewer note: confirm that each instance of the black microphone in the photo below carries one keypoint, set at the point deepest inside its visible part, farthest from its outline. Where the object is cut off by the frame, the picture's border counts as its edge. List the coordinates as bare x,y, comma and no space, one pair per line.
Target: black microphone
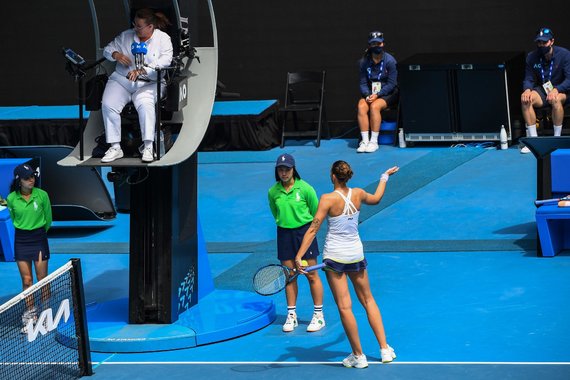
139,50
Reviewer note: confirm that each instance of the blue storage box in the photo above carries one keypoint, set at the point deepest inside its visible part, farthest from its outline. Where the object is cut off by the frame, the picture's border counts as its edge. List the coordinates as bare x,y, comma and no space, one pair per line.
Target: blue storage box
387,137
560,172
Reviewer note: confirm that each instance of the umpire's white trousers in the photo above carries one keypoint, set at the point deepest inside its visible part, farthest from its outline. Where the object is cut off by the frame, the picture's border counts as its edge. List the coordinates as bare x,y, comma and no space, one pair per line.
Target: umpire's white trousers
118,92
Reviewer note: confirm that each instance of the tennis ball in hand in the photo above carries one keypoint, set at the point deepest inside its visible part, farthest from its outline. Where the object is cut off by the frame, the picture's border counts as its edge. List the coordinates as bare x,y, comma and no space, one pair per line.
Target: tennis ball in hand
304,263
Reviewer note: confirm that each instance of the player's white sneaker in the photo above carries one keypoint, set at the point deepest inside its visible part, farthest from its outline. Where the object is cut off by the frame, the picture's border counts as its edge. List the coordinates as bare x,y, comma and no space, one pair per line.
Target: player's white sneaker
355,361
290,322
317,322
387,354
361,147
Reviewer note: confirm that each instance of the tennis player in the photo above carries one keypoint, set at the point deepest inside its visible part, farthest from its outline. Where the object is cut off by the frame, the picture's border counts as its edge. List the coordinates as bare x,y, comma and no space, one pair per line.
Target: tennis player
344,257
293,202
30,210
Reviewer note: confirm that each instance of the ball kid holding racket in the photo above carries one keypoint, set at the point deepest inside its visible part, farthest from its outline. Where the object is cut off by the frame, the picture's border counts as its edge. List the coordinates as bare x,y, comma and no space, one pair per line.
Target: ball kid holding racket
293,202
343,256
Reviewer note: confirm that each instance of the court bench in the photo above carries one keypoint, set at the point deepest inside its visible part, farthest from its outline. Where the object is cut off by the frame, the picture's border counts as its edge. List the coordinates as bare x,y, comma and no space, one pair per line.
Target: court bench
553,222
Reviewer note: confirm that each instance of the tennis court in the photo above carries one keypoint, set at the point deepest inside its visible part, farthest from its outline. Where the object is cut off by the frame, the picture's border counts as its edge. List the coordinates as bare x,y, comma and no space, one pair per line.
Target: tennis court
452,261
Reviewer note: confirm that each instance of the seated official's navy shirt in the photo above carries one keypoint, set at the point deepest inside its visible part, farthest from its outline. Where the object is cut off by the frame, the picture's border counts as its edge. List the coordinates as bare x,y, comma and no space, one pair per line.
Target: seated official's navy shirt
369,72
537,67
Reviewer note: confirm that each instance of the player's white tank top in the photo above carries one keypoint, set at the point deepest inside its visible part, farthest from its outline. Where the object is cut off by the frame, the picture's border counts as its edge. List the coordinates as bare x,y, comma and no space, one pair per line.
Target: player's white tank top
342,243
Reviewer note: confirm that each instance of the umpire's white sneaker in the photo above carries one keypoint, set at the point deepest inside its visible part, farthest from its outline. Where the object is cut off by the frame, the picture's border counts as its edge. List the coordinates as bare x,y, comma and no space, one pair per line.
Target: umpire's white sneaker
290,322
112,154
317,322
147,155
355,361
29,315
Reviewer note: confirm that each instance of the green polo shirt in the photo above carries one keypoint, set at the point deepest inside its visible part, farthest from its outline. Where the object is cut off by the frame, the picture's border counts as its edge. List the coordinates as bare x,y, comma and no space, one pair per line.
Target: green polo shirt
295,208
31,214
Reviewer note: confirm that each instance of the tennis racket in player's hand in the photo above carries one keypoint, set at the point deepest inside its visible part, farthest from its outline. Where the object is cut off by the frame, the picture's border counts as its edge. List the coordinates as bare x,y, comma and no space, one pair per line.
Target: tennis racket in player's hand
273,278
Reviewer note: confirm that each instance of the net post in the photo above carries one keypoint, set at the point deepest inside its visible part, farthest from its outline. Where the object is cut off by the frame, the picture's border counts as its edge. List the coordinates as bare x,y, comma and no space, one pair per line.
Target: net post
81,319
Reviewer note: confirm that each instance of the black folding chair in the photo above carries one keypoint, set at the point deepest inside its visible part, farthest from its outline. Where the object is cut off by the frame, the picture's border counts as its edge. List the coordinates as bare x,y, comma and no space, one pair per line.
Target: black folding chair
305,92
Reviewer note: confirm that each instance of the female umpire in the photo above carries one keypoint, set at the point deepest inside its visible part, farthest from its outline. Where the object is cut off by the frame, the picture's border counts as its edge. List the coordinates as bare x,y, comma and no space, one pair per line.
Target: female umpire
293,202
30,210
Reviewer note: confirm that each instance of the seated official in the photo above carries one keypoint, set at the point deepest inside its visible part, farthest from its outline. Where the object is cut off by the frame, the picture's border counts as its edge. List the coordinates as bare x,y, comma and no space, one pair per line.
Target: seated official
133,81
546,82
378,87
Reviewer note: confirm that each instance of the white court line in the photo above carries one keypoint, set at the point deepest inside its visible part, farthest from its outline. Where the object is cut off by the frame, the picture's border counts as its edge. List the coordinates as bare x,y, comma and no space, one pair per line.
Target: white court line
325,363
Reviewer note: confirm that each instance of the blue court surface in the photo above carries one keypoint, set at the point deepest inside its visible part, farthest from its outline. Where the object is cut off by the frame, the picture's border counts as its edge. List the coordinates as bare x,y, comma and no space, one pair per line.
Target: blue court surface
452,261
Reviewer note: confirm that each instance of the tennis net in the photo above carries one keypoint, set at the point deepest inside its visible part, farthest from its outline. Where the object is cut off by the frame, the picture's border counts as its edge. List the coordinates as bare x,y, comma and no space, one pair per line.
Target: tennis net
43,330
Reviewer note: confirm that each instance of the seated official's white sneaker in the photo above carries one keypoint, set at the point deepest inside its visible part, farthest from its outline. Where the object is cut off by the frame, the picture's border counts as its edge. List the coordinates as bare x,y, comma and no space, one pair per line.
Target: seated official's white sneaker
317,322
387,354
525,150
112,154
290,322
361,147
371,147
355,361
147,155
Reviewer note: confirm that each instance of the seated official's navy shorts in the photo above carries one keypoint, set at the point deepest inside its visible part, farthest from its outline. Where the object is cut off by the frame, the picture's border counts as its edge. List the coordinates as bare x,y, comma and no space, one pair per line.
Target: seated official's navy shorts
289,241
335,266
542,94
392,98
28,245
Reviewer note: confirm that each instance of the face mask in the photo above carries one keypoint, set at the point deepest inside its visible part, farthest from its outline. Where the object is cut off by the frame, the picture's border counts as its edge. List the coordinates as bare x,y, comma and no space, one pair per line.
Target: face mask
543,50
376,50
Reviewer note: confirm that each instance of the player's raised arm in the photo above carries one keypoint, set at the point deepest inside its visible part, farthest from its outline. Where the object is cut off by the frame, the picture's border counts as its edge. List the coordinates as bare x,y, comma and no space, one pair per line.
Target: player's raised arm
374,199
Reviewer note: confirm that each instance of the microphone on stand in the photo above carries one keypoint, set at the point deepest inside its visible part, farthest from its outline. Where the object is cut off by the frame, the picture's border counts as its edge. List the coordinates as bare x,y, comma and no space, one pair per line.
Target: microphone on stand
139,50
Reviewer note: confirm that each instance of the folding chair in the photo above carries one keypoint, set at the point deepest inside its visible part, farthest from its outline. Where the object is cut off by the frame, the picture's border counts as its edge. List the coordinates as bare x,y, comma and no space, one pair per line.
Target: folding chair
305,92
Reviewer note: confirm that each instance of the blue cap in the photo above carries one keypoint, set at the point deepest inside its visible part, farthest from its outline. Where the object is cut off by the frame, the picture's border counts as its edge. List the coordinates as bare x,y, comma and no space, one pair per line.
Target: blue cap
375,36
285,160
23,171
544,34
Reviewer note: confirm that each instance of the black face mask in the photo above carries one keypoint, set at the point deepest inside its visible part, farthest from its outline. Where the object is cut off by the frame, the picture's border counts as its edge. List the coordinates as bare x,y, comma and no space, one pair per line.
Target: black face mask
376,50
543,50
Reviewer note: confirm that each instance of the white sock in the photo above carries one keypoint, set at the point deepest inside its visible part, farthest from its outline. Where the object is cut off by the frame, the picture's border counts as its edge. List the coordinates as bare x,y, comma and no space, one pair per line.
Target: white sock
365,138
531,129
318,309
374,137
147,144
292,310
557,130
116,145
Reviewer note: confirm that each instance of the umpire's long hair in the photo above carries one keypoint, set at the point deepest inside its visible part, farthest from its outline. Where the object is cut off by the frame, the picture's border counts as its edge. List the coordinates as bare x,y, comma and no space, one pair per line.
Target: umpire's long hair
16,184
295,174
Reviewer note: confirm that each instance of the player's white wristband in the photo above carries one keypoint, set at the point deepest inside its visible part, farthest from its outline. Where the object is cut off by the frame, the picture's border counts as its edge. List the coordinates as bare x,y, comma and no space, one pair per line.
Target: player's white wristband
384,177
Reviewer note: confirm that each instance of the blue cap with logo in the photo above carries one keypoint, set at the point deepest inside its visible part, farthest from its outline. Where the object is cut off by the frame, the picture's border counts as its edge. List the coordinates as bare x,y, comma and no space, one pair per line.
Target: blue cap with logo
544,34
375,36
23,171
285,160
